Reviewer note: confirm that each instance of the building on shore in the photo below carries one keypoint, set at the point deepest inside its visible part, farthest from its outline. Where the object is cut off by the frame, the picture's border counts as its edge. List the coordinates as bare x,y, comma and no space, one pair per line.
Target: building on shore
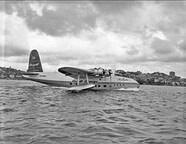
172,74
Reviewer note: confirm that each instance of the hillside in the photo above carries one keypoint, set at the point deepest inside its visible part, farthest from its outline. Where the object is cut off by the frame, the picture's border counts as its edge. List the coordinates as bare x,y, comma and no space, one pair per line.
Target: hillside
155,78
10,73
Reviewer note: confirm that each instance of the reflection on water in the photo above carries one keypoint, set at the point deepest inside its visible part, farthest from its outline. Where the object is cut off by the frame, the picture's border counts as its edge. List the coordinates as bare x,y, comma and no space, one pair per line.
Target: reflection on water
33,113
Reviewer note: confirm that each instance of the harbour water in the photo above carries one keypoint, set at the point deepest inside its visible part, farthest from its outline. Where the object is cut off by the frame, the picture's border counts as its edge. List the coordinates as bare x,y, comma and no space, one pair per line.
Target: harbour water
33,113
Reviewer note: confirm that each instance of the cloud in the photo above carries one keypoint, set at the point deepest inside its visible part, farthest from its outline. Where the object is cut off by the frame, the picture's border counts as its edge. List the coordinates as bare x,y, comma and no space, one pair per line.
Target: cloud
57,18
14,36
165,51
172,23
60,18
94,33
10,50
96,47
129,16
182,46
161,47
111,7
132,51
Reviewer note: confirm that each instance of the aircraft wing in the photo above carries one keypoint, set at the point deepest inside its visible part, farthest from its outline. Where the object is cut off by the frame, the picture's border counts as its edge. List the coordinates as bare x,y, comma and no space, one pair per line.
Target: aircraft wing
74,72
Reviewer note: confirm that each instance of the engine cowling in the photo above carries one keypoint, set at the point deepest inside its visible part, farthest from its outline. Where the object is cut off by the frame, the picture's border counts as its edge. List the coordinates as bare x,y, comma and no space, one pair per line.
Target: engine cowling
98,71
101,72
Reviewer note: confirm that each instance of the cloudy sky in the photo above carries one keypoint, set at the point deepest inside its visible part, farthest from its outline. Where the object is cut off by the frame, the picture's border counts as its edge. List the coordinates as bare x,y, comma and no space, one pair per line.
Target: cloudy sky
139,35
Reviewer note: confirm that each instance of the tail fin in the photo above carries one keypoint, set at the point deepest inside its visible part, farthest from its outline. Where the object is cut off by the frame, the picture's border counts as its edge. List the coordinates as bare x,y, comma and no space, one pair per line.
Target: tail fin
34,62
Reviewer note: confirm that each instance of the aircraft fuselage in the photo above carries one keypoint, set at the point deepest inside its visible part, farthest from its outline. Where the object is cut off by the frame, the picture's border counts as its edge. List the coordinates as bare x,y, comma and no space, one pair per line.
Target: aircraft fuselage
101,83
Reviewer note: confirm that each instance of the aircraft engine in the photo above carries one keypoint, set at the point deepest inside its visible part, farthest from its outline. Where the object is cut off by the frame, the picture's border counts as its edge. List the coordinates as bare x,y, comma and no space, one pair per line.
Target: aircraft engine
101,71
98,71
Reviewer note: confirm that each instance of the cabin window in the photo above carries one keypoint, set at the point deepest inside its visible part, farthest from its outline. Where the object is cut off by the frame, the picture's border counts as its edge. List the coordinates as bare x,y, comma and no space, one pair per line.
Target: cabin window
98,85
70,83
110,86
104,85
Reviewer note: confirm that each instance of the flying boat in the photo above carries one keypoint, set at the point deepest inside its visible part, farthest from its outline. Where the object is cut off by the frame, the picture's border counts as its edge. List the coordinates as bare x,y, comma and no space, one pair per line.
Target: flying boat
77,79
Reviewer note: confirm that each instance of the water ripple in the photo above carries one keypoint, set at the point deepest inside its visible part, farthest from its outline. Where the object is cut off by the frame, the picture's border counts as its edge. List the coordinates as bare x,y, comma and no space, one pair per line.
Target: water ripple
33,113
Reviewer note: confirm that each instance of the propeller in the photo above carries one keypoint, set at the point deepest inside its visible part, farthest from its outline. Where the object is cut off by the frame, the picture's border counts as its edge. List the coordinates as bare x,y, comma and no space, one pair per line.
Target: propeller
110,73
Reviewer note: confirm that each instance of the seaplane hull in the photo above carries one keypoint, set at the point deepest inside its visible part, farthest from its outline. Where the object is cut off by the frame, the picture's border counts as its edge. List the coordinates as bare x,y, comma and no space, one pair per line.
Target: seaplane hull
56,83
115,86
76,79
100,85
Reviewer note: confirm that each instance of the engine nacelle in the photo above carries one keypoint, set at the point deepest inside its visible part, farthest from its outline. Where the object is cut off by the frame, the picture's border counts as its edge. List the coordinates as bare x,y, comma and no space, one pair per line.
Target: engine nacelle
98,71
101,72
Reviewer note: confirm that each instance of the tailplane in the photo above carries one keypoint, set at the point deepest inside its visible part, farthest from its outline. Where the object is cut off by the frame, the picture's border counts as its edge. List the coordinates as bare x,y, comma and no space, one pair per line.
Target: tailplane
34,62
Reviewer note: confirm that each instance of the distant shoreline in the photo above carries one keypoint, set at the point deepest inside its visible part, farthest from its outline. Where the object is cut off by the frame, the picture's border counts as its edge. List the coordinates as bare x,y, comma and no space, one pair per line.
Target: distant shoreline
155,78
12,79
140,84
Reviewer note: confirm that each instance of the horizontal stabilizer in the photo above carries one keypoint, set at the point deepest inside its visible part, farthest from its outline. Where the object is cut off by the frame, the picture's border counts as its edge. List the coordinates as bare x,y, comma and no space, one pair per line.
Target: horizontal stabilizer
30,73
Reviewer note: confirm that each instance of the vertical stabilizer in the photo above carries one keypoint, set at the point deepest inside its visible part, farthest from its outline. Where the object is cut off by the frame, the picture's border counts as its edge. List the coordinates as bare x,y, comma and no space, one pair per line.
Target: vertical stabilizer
34,62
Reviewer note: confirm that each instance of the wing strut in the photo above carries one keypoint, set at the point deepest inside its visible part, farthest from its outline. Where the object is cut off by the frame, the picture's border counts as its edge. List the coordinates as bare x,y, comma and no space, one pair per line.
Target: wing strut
87,78
78,79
